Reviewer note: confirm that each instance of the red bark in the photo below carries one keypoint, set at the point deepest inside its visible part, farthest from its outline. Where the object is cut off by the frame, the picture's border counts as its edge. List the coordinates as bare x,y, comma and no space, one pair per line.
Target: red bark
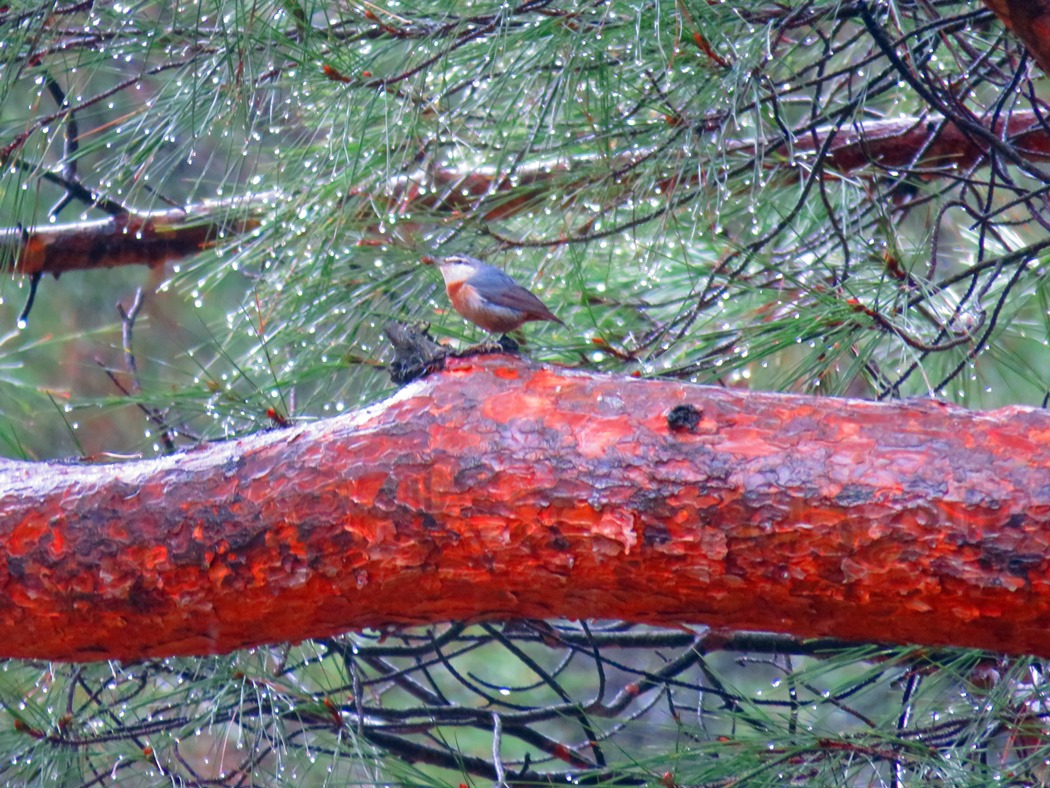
503,489
146,238
1029,20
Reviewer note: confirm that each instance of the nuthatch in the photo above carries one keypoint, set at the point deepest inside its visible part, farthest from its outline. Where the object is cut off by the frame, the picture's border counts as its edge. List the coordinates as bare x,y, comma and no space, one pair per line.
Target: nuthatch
488,297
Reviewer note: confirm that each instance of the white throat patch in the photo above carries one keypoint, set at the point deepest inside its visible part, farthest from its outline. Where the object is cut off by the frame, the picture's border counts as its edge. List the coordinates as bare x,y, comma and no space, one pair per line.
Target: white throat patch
454,273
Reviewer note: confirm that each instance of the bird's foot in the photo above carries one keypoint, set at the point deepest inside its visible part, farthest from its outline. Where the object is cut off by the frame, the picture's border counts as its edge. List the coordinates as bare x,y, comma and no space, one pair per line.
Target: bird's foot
480,349
504,345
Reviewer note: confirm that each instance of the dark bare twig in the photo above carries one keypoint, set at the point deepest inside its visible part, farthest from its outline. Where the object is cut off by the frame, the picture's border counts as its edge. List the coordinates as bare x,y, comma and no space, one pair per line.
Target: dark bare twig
70,146
127,321
127,325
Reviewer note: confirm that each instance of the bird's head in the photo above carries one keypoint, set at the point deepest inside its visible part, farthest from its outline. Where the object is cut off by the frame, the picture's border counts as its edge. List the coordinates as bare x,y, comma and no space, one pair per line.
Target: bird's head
455,268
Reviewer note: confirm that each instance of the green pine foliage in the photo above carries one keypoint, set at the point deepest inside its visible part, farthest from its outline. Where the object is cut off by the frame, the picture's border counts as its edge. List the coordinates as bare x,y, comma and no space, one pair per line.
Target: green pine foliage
660,173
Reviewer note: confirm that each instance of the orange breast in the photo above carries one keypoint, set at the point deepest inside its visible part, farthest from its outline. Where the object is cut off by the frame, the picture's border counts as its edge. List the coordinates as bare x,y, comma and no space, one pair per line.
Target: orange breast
477,310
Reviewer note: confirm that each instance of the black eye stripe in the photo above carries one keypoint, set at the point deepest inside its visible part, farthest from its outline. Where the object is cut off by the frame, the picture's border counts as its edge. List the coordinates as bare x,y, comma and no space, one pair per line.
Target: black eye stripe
459,258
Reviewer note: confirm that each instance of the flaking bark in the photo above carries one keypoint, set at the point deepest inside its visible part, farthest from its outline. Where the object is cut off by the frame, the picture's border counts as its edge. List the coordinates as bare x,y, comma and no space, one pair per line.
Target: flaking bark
498,488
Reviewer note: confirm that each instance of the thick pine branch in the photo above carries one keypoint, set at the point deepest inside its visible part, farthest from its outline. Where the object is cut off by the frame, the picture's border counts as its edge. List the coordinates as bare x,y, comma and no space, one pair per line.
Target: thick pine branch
498,488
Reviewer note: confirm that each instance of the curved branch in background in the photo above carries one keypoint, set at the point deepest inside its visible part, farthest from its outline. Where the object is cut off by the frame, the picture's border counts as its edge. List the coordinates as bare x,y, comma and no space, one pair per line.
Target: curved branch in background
929,145
498,488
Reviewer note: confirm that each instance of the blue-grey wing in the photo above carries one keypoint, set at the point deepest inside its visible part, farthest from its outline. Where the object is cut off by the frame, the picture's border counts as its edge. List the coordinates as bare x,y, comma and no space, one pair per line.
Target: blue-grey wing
498,289
492,279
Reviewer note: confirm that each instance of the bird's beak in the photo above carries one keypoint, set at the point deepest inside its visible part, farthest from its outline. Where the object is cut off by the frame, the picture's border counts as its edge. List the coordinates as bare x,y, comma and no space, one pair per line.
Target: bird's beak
428,260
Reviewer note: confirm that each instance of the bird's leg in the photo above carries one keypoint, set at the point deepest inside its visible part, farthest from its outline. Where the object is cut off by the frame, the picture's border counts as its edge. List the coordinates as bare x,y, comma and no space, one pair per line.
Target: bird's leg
482,349
503,345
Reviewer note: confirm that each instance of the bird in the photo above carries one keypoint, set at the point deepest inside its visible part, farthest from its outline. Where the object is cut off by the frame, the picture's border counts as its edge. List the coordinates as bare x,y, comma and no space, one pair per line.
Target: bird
486,296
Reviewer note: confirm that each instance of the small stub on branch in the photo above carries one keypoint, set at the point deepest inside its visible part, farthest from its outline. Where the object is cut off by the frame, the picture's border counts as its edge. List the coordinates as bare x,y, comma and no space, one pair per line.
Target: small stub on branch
416,354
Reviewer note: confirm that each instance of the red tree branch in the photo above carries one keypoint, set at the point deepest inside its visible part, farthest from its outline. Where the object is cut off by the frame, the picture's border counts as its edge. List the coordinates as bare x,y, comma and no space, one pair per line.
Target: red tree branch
133,238
1029,20
502,489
